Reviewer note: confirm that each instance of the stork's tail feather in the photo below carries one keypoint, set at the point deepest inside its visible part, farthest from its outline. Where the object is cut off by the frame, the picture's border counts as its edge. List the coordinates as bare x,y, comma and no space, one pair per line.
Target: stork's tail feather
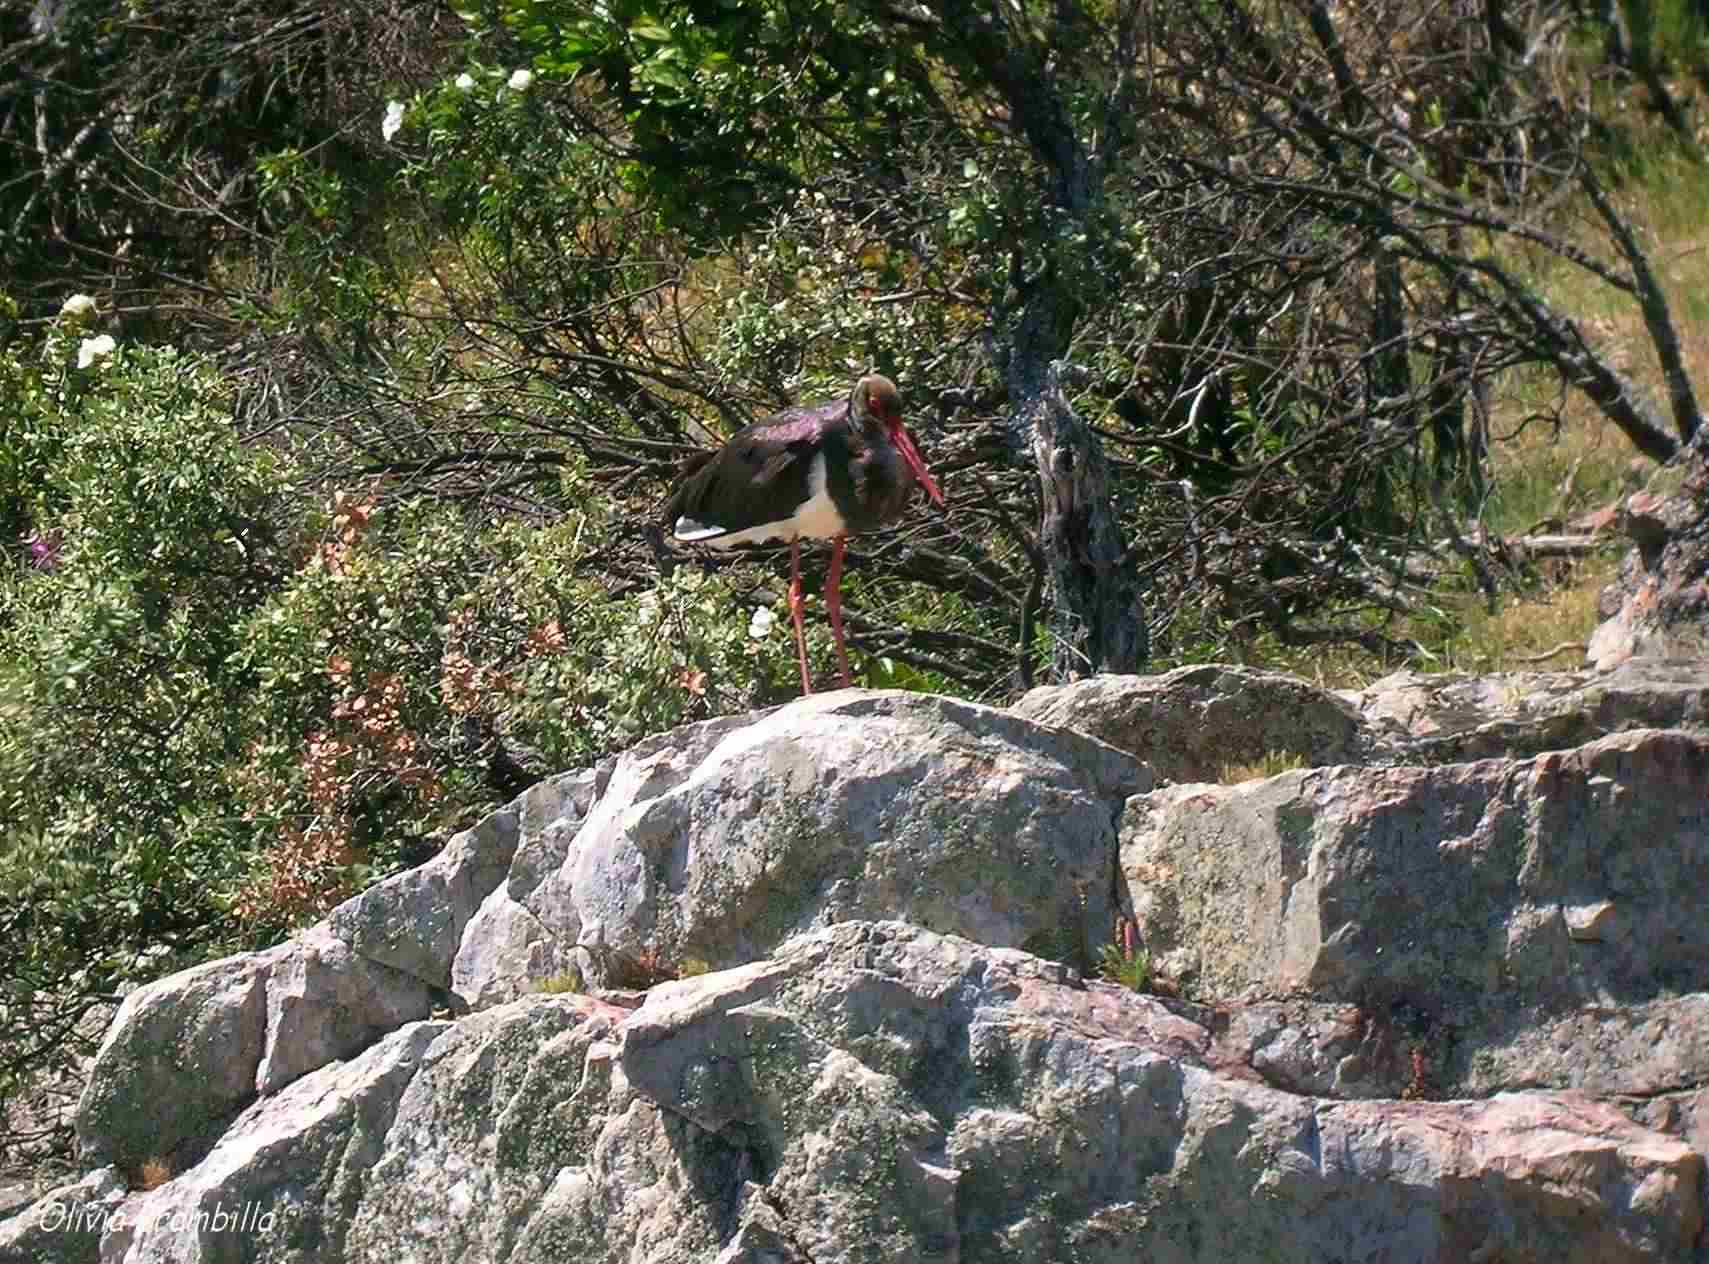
689,531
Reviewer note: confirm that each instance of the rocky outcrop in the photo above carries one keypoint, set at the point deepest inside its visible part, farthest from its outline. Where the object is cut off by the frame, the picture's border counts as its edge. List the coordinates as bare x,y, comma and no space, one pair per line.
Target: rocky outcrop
1415,718
1514,922
710,845
879,1092
1211,722
186,1053
1422,1005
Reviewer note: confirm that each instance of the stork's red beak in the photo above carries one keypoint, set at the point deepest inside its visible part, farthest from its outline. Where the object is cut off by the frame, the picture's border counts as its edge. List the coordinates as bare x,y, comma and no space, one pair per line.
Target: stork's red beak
905,445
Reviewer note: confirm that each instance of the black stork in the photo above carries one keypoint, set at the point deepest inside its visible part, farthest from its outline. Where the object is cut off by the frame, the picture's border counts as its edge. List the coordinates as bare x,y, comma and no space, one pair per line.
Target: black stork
817,470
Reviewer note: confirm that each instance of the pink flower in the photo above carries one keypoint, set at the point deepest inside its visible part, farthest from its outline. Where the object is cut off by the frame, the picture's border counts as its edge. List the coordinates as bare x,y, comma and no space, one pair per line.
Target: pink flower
44,548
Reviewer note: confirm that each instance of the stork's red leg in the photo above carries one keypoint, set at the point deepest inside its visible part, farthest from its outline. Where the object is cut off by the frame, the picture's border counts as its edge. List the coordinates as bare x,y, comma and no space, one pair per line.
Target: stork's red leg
834,604
796,602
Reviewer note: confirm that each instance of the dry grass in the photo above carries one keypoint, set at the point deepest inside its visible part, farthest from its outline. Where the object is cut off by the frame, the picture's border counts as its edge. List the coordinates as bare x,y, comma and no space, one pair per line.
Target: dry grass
1541,631
1544,477
1589,462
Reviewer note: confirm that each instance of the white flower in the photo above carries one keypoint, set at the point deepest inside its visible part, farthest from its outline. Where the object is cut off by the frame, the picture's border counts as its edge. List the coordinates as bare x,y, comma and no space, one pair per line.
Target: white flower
394,119
520,79
93,350
78,306
759,627
465,82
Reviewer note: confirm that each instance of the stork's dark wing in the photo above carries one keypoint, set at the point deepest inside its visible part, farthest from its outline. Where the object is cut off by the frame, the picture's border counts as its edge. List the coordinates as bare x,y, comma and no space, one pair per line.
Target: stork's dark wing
762,476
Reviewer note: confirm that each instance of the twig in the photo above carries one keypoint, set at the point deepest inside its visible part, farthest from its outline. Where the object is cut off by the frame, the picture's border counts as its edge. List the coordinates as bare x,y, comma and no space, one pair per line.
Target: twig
1537,658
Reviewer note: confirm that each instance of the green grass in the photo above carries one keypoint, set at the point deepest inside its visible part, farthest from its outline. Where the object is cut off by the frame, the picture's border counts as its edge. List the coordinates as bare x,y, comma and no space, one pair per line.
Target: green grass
1543,477
1132,971
1273,764
1545,630
557,984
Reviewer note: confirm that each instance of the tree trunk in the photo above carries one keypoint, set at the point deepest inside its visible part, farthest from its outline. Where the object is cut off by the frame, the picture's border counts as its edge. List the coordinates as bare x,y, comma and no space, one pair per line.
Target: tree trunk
1094,597
1097,614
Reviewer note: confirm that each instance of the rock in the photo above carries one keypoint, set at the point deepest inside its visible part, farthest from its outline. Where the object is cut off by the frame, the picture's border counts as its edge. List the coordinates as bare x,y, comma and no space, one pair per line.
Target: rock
1520,1176
1318,1048
876,1092
857,1076
325,1001
505,948
506,951
414,921
1192,723
280,1182
1436,899
65,1225
1683,1115
1419,718
959,818
1589,923
517,1140
179,1059
186,1052
1082,1123
762,1237
1658,605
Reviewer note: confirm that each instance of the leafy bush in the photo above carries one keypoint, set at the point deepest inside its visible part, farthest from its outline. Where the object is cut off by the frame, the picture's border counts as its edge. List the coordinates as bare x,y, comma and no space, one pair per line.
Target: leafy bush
230,701
151,533
414,658
145,533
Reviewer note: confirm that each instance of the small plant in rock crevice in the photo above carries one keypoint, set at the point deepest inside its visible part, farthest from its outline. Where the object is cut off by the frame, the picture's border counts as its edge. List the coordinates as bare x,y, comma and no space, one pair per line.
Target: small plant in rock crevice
1124,961
1270,764
565,981
1418,1087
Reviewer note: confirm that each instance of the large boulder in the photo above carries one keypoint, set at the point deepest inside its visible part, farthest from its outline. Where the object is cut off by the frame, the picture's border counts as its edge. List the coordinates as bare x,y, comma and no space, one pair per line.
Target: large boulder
876,1092
713,848
178,1061
1523,921
185,1053
1193,723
